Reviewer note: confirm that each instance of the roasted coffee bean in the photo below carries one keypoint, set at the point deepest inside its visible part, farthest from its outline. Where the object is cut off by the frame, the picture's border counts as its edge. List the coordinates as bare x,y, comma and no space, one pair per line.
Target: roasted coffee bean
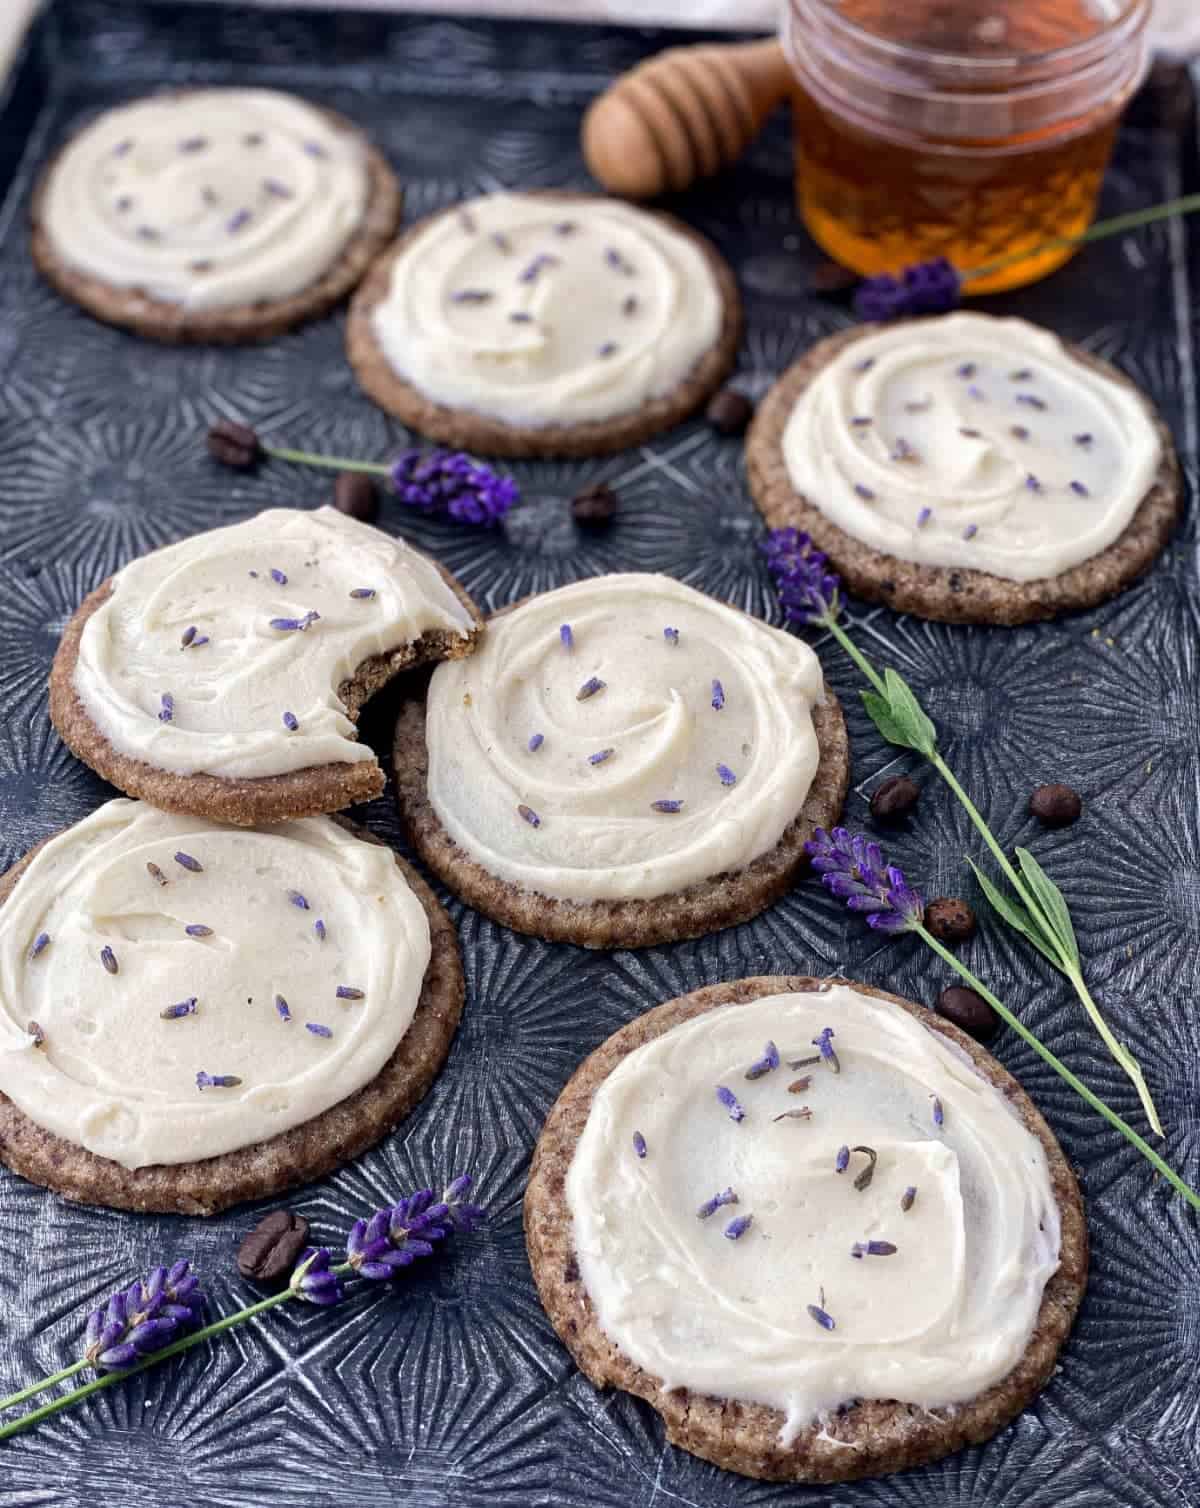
354,494
233,444
729,411
271,1250
949,919
1055,805
969,1012
894,798
594,506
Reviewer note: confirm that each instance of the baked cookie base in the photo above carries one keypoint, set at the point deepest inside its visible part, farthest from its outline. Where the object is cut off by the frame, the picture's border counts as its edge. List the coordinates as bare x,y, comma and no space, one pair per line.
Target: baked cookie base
463,430
251,801
957,595
293,1157
155,319
871,1436
708,906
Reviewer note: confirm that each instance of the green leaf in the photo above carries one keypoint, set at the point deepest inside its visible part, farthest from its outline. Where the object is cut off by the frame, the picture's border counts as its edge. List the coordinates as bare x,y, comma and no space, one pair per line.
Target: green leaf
1050,898
899,716
1017,916
881,715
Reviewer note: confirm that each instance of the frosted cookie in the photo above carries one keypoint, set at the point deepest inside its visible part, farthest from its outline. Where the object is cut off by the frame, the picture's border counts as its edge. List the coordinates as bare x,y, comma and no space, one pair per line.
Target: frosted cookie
545,324
223,675
213,214
625,761
812,1275
966,468
193,1014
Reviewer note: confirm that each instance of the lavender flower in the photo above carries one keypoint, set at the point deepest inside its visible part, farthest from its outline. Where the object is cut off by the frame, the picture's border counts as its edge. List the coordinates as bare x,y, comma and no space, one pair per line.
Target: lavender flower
143,1318
312,1280
527,814
167,711
290,721
40,943
726,775
566,636
536,740
718,1201
363,593
854,870
1079,489
939,1114
765,1064
284,1009
446,481
718,696
600,756
822,1043
319,929
296,625
395,1237
217,1080
298,900
924,288
670,807
278,576
109,959
317,1029
730,1101
194,865
187,636
807,589
826,1321
842,1161
639,1144
179,1009
738,1227
348,992
590,687
862,1249
671,635
906,1199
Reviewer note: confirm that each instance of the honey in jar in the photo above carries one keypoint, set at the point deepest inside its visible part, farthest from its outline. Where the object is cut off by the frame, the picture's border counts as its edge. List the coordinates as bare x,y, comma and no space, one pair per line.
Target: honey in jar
969,129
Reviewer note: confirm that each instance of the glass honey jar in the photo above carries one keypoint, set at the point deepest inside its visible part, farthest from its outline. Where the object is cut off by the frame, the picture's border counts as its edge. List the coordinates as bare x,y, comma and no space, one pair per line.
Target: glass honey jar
969,129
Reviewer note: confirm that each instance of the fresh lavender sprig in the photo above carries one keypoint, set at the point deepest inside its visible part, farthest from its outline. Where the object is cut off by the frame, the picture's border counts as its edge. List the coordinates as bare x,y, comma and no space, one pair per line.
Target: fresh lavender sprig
143,1318
393,1238
807,588
853,869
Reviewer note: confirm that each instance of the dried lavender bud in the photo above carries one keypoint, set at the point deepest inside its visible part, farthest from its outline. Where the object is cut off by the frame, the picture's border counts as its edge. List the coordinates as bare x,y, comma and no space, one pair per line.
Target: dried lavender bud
639,1144
187,636
970,531
842,1161
36,1032
156,873
1084,441
609,348
277,576
1032,483
906,1199
566,637
198,929
194,865
167,712
949,919
822,1043
826,1321
40,943
939,1114
317,1029
1031,400
529,815
601,756
718,1201
969,1011
738,1227
729,412
472,296
766,1064
803,1114
233,444
296,625
319,929
217,1080
239,220
968,369
180,1008
726,775
864,492
290,721
594,506
589,688
864,421
894,798
277,188
923,517
355,495
1056,805
348,992
730,1101
536,741
862,1249
297,899
284,1009
363,593
670,807
718,696
798,1086
1080,490
863,1181
313,1281
671,635
268,1253
109,959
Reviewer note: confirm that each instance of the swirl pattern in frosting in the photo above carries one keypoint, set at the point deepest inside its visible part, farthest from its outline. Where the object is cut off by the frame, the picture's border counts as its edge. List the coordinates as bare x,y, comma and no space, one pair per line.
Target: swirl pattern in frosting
225,654
972,441
935,1318
622,738
535,311
150,949
207,198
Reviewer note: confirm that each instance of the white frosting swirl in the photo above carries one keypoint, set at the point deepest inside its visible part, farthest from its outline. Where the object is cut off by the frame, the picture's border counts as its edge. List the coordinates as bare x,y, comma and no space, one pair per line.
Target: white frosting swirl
535,312
238,685
208,198
574,816
937,1322
116,1077
972,441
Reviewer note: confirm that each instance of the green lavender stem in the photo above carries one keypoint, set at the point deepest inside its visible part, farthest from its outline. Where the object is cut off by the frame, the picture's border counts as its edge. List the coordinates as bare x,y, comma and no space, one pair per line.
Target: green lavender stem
1097,232
1062,1070
1125,1060
77,1395
334,463
40,1387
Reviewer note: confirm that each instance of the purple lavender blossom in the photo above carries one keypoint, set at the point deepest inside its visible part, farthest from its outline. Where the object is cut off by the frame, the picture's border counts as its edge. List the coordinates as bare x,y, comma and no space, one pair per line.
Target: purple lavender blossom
109,959
536,740
738,1227
284,1009
808,590
290,721
319,929
639,1144
317,1029
445,481
853,869
842,1161
826,1321
167,711
671,808
718,696
924,288
348,992
718,1201
143,1318
671,635
298,900
726,775
186,860
312,1280
217,1080
906,1199
179,1009
40,943
394,1237
766,1064
862,1249
198,929
566,636
824,1044
730,1101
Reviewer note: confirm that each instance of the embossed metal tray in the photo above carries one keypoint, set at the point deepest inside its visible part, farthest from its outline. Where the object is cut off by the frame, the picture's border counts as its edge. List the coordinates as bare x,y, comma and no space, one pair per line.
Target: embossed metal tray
452,1391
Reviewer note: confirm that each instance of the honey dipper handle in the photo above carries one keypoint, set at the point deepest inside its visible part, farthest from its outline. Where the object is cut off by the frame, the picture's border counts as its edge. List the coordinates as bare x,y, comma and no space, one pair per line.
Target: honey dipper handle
681,115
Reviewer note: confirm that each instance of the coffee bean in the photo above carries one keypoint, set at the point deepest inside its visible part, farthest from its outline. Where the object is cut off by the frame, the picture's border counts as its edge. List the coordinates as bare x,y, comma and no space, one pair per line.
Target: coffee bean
969,1012
272,1248
949,919
729,411
594,506
354,494
830,277
1055,805
233,444
894,798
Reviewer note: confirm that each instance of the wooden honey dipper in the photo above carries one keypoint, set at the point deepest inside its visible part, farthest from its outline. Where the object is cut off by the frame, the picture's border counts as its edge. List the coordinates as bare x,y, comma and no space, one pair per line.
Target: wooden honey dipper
682,115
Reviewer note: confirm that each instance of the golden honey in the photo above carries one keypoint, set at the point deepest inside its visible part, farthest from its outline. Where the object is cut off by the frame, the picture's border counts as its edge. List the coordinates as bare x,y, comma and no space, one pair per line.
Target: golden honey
969,129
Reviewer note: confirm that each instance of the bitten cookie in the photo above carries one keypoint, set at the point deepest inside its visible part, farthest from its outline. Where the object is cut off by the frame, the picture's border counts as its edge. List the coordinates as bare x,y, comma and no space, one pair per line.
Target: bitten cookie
220,215
545,324
624,762
222,675
966,468
193,1014
816,1262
